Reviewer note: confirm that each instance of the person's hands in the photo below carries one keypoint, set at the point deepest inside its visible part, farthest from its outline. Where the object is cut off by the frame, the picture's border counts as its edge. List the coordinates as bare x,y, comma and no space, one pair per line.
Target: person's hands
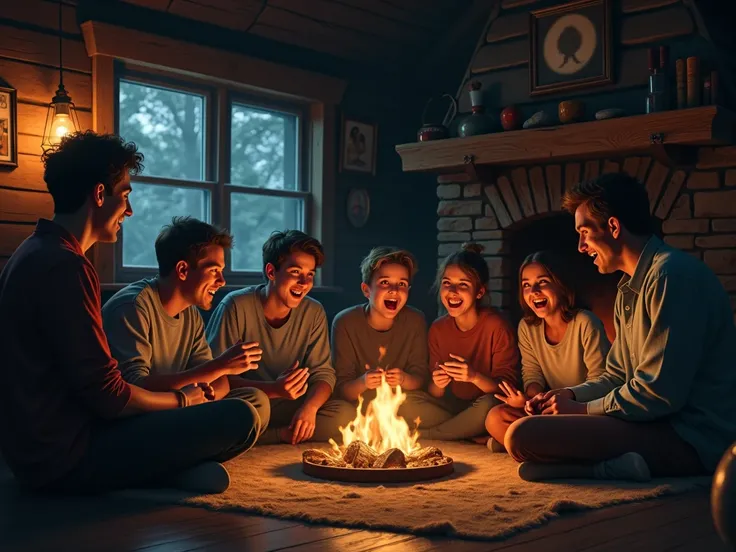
240,358
440,378
303,424
372,378
394,376
208,390
458,369
535,404
562,403
194,393
510,395
292,384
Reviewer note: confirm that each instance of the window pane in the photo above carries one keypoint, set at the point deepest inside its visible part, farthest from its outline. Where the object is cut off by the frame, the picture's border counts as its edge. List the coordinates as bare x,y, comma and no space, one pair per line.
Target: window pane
167,125
253,218
263,148
153,207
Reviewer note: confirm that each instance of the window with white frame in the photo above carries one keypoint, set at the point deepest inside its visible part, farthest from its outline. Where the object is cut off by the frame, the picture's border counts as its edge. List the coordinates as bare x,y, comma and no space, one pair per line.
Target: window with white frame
214,154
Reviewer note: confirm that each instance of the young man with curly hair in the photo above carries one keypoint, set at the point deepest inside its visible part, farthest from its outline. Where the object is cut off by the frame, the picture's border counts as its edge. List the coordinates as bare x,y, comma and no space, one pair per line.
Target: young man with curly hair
155,329
291,330
68,420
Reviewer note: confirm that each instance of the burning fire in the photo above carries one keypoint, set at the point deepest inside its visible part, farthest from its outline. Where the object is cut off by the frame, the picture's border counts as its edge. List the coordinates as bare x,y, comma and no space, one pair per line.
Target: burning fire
381,427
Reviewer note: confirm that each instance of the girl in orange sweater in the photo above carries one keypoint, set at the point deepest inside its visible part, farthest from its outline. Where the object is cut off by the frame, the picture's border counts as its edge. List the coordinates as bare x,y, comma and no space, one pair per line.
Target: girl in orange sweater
471,350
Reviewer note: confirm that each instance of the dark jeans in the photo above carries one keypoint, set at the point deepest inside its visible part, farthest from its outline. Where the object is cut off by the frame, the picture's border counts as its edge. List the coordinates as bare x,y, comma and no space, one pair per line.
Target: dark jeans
144,450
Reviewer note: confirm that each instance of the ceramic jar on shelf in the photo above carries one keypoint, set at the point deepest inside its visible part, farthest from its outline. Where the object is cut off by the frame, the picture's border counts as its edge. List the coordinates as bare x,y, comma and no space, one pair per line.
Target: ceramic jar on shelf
434,130
478,121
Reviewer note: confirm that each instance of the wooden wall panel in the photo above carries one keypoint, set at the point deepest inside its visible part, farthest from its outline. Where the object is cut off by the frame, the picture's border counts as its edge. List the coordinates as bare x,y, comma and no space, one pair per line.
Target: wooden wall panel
28,63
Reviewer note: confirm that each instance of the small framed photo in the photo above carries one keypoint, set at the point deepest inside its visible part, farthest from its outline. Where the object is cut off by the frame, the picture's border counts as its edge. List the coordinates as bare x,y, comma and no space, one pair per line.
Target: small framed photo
8,127
570,47
358,146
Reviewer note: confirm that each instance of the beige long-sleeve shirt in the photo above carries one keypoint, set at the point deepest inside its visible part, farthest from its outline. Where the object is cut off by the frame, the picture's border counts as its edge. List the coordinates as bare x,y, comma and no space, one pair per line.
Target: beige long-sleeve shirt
304,337
674,356
145,340
580,356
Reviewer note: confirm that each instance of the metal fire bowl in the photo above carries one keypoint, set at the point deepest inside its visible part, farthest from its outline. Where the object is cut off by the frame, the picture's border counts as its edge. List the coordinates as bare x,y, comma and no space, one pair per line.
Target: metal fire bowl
377,475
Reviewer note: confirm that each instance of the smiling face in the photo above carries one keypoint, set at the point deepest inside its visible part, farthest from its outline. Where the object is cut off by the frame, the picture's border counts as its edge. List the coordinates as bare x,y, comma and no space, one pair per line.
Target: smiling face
540,292
294,279
111,210
200,283
598,241
389,290
458,291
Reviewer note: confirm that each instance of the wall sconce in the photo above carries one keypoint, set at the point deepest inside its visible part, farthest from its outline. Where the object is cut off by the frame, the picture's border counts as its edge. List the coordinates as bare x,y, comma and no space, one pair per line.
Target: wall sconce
61,118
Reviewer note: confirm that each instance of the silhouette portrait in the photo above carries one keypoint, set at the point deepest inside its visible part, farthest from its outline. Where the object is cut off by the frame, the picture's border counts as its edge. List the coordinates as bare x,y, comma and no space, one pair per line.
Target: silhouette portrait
570,46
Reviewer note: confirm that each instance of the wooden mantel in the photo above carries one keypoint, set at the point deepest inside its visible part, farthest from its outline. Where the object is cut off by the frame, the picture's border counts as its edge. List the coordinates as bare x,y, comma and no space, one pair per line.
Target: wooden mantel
671,136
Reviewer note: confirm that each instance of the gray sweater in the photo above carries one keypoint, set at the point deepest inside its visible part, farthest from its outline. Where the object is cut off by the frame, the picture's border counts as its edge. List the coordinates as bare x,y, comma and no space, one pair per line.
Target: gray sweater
674,357
304,337
145,340
580,356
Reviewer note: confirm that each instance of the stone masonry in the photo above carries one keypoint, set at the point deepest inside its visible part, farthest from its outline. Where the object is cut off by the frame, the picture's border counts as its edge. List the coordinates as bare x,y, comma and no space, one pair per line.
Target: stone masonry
697,207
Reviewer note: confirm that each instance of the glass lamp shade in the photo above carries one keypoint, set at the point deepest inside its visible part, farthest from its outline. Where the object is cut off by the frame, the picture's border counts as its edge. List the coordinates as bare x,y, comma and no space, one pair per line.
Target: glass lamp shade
61,119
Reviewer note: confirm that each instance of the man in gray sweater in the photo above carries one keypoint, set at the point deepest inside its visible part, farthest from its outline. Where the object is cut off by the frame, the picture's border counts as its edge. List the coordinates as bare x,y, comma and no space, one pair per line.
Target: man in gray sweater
665,404
156,332
291,330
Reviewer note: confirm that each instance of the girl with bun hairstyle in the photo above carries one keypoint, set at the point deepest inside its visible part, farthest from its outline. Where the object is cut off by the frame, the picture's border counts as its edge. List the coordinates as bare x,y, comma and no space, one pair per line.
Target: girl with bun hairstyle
561,344
472,349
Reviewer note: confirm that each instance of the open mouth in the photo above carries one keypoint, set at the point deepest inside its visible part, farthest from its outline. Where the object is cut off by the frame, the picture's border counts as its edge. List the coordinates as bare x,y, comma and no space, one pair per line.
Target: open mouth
212,292
454,303
391,304
296,293
539,303
593,255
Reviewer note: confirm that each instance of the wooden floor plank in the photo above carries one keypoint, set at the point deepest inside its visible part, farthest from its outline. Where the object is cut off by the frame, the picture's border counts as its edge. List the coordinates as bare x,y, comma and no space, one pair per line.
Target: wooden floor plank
237,541
358,541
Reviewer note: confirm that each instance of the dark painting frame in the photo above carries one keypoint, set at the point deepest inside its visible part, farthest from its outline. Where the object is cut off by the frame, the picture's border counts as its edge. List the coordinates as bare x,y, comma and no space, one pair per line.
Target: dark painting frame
8,127
544,26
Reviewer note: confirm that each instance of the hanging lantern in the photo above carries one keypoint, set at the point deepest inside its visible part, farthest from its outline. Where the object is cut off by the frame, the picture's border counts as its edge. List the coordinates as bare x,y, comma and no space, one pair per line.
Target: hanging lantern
61,118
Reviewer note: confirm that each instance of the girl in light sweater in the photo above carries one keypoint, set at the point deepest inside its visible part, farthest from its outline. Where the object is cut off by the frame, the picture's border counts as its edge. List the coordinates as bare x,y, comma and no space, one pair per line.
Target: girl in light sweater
471,350
561,345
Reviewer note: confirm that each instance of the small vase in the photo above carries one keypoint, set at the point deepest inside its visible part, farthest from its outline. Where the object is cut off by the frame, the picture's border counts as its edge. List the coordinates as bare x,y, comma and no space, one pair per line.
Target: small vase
723,497
478,122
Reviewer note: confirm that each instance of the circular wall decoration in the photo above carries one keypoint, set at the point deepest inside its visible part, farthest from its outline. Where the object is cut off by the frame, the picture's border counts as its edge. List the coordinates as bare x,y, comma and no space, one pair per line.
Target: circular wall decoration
358,207
570,44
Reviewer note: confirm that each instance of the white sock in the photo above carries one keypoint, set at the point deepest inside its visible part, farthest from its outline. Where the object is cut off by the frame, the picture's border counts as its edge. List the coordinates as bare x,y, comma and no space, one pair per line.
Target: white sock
495,446
630,466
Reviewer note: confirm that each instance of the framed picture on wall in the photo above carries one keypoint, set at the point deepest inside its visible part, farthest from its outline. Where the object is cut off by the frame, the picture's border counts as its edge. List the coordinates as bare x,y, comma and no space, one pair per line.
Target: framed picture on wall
358,146
570,47
8,128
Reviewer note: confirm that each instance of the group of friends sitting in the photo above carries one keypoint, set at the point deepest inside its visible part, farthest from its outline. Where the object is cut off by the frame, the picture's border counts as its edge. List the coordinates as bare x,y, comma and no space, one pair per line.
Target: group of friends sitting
141,392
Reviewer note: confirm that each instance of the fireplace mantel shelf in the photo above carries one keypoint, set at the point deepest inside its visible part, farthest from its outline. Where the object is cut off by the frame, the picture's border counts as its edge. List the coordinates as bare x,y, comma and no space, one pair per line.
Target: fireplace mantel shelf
671,136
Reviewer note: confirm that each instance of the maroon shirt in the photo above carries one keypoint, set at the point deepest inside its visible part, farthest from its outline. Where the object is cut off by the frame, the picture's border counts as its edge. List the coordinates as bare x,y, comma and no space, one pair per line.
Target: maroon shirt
58,377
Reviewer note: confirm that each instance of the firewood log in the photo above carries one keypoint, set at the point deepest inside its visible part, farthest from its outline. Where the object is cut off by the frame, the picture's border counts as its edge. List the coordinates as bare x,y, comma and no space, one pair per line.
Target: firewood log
423,454
359,455
392,458
322,458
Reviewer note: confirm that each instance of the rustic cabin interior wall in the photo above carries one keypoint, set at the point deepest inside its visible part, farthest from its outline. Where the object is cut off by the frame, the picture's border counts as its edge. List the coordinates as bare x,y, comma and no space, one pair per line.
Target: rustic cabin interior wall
29,60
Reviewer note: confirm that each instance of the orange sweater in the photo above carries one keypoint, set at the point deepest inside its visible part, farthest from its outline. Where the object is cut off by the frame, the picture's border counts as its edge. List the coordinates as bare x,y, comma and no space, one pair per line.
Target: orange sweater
490,348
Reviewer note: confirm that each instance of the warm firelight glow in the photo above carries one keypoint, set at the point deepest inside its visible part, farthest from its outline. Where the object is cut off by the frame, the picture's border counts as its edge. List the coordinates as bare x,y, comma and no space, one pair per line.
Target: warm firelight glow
381,427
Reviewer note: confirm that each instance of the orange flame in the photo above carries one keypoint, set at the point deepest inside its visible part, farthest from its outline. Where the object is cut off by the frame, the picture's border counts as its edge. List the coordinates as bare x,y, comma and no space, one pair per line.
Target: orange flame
381,427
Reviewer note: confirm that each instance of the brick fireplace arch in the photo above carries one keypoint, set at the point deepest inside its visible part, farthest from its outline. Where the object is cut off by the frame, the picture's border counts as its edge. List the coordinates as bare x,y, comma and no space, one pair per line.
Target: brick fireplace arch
697,207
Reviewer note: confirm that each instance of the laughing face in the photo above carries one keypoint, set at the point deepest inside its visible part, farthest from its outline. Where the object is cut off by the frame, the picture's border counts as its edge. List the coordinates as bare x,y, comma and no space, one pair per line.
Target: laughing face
598,241
199,284
112,209
540,292
294,279
389,290
457,291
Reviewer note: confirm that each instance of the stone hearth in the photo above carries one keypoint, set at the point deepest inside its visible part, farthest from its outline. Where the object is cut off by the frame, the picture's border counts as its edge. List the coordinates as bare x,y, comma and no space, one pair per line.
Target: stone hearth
696,207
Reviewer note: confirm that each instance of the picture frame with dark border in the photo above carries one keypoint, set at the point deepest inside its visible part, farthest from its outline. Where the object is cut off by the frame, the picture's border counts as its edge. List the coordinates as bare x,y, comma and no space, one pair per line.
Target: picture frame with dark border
8,127
358,146
571,47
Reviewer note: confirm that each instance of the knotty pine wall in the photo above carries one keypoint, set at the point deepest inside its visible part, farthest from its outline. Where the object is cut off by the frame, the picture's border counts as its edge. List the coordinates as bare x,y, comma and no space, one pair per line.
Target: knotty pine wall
29,59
